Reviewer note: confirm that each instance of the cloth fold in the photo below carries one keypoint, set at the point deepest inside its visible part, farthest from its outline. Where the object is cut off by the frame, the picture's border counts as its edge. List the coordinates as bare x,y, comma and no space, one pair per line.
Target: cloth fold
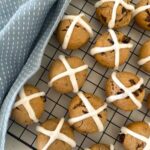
25,29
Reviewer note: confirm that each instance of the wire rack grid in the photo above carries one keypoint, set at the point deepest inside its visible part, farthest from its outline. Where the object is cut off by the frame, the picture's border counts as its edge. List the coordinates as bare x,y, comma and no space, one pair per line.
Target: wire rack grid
56,104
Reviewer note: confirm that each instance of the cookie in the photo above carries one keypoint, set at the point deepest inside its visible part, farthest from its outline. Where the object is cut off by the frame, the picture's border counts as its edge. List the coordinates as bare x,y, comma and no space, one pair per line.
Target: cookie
114,14
142,14
148,101
101,147
29,105
136,136
68,74
55,134
125,90
87,113
74,31
112,49
144,56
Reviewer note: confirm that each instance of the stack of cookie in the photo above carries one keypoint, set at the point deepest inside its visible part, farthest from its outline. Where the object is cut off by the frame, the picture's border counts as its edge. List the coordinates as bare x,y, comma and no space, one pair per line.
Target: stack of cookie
87,112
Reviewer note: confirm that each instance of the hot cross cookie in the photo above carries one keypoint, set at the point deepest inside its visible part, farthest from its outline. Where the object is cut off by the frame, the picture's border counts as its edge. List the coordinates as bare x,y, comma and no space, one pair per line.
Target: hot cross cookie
68,74
114,13
29,105
142,14
144,56
87,113
55,134
74,31
125,90
101,147
112,49
136,136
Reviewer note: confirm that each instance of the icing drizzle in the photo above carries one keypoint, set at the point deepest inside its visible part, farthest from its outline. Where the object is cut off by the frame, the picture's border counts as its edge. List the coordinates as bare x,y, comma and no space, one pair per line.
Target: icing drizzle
75,20
142,138
127,91
144,60
140,9
111,23
56,135
112,147
69,72
91,113
25,101
116,47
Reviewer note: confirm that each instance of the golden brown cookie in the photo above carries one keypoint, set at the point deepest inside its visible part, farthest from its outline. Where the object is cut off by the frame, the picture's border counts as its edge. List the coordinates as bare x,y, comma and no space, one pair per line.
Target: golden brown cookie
79,108
29,105
63,140
78,36
142,18
131,142
117,95
100,147
122,15
67,83
148,101
144,56
108,58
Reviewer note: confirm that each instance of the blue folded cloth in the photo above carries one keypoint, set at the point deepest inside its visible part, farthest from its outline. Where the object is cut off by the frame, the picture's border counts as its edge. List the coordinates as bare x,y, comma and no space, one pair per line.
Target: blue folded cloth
25,29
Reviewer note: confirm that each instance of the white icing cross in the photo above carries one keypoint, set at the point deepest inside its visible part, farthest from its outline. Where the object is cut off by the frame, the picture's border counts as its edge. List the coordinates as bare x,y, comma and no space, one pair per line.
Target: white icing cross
56,135
25,101
142,138
75,20
127,91
111,147
144,60
69,72
116,47
91,113
140,9
111,23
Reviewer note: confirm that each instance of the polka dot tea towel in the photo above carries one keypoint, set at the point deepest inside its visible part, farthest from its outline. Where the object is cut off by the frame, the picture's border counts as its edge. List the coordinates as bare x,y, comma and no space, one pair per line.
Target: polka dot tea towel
25,29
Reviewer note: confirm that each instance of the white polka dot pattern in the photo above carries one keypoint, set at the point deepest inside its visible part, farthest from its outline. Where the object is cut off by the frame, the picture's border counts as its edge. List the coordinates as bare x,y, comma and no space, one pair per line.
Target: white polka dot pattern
25,29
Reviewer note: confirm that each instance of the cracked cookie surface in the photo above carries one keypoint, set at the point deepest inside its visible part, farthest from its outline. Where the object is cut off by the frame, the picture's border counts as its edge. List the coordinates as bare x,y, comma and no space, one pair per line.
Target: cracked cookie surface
107,59
131,143
77,108
79,36
143,18
128,79
123,16
20,114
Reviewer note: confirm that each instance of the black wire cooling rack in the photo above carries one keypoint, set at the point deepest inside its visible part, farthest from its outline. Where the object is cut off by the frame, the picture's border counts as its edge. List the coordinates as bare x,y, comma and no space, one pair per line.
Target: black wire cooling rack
56,104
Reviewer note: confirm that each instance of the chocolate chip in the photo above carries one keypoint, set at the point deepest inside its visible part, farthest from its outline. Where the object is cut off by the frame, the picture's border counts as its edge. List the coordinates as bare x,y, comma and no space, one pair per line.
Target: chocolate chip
121,138
136,93
132,82
126,39
103,18
140,146
148,25
147,11
78,105
142,88
103,53
84,111
17,108
123,10
99,115
111,41
120,92
77,26
147,19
